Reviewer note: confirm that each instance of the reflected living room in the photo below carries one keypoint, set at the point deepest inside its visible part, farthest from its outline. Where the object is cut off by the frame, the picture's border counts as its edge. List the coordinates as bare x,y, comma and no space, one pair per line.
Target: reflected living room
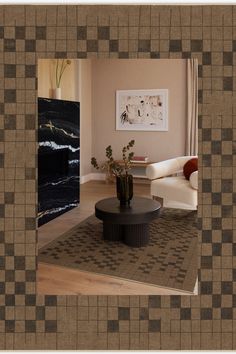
117,176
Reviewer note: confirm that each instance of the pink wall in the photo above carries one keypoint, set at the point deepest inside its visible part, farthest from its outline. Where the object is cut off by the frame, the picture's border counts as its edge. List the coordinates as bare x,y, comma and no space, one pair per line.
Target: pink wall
109,75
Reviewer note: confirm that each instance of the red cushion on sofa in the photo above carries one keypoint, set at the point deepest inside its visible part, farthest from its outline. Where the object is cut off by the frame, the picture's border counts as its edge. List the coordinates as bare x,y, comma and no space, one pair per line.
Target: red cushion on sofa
190,167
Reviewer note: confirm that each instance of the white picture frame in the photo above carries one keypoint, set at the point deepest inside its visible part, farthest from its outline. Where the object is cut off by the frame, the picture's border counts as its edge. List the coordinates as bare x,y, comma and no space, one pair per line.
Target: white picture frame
144,110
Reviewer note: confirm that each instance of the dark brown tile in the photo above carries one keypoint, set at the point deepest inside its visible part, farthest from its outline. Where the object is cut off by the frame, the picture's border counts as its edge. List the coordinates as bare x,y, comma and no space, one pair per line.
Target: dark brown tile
227,58
123,313
81,32
144,45
41,32
154,326
227,83
92,45
50,326
175,46
10,121
113,45
9,45
196,45
9,96
30,71
103,32
113,326
10,70
30,326
30,45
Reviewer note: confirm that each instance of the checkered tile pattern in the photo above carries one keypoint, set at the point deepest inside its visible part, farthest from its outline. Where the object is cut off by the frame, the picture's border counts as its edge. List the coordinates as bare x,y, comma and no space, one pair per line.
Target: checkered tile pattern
28,33
168,260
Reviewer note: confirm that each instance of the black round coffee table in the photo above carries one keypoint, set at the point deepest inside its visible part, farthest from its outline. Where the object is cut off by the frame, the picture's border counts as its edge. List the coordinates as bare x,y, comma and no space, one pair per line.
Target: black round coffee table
128,224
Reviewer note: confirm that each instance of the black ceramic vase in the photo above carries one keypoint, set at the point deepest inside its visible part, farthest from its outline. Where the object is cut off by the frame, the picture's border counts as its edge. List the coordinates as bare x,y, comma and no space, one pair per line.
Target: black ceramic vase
124,189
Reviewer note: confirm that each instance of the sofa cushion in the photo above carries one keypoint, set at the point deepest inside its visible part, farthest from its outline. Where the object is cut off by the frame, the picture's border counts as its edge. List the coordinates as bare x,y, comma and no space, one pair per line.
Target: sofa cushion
193,180
175,191
189,167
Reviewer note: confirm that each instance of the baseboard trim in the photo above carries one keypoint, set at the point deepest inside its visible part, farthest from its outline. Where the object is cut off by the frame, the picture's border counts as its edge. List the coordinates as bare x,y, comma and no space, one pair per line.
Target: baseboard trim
92,177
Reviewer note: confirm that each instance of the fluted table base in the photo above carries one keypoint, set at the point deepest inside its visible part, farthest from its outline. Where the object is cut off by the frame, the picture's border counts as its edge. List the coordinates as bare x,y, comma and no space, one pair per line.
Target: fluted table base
136,235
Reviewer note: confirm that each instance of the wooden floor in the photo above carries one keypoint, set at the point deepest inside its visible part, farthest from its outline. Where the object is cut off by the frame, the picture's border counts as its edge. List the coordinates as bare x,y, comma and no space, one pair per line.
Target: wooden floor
52,279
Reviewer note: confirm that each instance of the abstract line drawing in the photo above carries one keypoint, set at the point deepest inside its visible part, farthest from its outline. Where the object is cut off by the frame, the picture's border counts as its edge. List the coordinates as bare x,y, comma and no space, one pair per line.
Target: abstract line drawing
145,110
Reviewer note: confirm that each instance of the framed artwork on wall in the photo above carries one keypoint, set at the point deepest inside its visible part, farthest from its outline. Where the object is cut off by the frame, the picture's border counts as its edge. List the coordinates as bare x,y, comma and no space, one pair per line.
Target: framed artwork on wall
145,110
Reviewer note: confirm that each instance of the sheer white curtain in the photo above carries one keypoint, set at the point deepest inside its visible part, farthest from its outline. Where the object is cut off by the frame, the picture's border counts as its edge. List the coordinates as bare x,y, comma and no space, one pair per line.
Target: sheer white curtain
192,107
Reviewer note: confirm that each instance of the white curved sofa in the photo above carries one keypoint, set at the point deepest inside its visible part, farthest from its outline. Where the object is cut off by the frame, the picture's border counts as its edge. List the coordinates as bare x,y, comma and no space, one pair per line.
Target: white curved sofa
175,191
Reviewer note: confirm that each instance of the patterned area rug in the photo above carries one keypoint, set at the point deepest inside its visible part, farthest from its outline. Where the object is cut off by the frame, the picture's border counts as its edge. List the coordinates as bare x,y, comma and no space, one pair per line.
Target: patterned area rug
169,260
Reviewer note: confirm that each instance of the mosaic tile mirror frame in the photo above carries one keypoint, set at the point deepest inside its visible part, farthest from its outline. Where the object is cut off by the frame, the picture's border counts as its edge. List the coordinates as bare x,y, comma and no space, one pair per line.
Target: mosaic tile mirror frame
207,321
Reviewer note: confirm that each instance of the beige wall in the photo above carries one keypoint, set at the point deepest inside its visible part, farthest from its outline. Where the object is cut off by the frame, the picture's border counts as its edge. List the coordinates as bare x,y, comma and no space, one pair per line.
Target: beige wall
120,74
69,82
85,98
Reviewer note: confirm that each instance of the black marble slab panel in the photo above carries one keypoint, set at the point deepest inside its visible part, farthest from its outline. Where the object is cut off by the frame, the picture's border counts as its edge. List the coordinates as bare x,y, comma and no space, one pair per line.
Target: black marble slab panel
58,157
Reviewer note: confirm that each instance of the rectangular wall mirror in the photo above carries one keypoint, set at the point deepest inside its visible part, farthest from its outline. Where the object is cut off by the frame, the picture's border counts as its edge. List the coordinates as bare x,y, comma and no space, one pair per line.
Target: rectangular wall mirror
124,224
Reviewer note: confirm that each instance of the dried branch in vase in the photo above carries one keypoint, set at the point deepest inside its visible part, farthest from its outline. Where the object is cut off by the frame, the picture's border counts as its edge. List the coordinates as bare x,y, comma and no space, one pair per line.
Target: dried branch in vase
113,167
